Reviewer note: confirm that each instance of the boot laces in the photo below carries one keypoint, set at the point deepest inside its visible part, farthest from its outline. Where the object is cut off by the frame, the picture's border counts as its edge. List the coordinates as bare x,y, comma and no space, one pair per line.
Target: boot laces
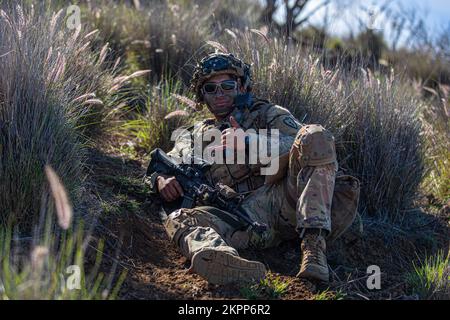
312,248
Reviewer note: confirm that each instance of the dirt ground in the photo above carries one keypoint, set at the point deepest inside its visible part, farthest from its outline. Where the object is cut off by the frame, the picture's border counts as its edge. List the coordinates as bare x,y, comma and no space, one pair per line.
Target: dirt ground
136,241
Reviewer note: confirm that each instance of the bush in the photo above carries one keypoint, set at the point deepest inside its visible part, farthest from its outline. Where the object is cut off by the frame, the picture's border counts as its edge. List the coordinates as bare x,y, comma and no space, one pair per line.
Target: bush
164,36
48,84
164,109
373,117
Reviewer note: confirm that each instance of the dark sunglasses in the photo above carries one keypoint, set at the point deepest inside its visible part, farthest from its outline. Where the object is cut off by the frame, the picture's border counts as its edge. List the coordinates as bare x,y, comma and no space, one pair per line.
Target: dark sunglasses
226,85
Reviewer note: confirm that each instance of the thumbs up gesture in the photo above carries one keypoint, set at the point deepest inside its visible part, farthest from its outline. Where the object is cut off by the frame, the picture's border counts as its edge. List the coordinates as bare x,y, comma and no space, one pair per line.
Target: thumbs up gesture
233,138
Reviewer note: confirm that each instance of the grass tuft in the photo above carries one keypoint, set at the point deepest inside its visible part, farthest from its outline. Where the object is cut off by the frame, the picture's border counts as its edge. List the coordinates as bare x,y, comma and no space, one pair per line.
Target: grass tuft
271,287
431,278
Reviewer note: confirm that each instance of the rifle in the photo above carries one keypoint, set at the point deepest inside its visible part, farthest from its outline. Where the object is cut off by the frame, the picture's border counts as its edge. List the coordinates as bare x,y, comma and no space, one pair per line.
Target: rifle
197,190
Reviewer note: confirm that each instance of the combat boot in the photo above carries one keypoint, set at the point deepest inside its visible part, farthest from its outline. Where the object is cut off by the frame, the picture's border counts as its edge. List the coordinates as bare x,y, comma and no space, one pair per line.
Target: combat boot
314,261
221,267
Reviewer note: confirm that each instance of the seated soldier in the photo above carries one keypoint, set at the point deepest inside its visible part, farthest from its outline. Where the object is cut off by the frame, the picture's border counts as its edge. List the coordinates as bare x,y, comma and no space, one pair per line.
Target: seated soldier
297,205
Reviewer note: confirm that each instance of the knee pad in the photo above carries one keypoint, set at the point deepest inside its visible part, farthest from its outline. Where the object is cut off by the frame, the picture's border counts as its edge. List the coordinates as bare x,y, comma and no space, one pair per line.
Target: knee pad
315,146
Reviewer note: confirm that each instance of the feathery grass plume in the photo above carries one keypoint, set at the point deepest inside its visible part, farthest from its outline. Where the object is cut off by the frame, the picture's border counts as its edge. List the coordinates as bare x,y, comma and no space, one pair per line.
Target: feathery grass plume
39,255
62,203
217,46
45,67
93,102
231,33
185,100
176,113
261,34
84,97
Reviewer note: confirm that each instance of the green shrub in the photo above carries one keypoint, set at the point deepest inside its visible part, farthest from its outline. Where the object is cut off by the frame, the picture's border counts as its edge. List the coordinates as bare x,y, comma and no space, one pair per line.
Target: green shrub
271,287
431,279
161,113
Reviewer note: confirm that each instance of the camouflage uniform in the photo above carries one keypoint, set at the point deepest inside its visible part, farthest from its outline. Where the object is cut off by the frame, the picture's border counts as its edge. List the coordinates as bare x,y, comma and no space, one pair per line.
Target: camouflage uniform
301,199
305,194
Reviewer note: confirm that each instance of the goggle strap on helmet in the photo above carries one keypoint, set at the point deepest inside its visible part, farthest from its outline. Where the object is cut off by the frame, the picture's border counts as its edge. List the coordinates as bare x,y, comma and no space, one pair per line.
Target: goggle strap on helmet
216,64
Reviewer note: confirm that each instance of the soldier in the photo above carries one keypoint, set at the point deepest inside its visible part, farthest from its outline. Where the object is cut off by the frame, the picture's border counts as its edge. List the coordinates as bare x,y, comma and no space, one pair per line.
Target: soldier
296,202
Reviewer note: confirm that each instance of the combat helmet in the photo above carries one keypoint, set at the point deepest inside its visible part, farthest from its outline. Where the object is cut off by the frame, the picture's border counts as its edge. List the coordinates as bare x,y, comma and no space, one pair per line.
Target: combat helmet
216,64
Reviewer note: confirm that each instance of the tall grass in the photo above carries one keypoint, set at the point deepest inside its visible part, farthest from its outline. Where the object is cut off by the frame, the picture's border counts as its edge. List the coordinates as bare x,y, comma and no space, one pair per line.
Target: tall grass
164,108
373,117
54,268
436,121
50,84
51,264
165,36
161,34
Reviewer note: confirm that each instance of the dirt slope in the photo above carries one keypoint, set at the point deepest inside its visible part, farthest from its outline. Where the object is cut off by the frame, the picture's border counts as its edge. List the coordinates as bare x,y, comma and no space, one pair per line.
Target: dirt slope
136,241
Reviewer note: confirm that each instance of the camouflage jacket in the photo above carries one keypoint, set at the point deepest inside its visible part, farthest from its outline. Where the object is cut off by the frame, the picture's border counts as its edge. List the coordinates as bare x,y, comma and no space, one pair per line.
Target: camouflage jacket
246,177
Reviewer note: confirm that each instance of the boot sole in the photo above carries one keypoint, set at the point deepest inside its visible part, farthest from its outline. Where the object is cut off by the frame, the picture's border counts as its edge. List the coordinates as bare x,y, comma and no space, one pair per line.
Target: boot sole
219,267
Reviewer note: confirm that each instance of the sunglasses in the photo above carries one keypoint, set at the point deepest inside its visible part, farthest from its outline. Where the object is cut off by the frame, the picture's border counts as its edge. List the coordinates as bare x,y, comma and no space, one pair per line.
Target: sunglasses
226,85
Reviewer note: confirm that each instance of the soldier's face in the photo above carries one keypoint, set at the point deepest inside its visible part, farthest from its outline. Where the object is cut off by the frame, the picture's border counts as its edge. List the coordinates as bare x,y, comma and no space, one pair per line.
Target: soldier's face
220,102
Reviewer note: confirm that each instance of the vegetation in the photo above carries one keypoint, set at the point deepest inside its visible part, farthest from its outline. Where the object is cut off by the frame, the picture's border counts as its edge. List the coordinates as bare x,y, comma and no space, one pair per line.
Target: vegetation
431,279
271,287
123,75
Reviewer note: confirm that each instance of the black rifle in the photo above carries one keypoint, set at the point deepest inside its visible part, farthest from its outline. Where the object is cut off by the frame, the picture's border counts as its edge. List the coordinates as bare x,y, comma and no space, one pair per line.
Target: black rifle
197,190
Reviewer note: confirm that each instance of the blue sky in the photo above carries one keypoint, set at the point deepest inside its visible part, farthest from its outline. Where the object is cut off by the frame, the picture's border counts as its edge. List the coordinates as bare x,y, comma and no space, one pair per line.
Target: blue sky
437,14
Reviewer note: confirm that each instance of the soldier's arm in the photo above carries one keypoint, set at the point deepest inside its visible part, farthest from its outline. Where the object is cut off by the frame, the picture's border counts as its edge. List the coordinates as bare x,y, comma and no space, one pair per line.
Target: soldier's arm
287,125
182,148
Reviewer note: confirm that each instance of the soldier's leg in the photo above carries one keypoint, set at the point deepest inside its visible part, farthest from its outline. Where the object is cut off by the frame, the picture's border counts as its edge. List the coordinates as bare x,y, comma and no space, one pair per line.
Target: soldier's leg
205,235
310,185
311,177
268,205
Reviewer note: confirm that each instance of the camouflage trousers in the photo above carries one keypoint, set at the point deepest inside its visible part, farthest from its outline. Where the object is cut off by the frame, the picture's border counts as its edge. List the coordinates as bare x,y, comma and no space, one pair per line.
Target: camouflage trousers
300,200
